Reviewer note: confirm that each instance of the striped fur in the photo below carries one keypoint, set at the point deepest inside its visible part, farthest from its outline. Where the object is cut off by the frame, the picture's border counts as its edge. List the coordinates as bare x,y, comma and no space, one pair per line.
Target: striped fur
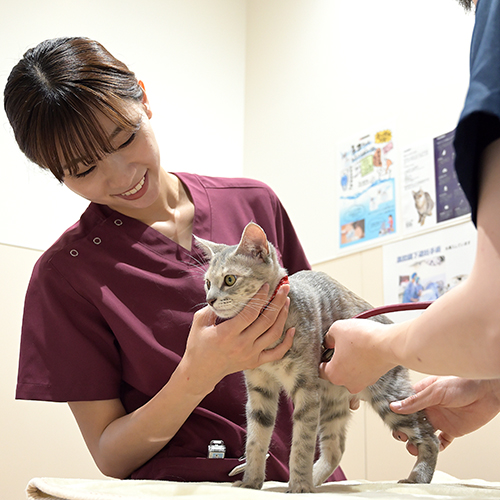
321,409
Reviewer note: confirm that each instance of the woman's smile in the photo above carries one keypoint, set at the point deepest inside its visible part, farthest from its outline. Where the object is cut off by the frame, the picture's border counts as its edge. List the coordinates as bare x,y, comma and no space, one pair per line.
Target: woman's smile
137,191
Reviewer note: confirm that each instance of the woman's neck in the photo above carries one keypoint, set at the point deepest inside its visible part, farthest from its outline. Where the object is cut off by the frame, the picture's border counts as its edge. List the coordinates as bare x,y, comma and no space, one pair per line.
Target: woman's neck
172,213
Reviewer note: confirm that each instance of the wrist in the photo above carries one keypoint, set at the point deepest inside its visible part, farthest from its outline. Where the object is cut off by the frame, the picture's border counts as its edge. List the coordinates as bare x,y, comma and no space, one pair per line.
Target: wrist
193,381
392,344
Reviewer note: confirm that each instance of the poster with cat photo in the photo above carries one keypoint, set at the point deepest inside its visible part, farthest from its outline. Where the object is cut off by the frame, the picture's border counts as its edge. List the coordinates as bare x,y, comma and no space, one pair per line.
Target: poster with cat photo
423,268
418,192
367,201
430,191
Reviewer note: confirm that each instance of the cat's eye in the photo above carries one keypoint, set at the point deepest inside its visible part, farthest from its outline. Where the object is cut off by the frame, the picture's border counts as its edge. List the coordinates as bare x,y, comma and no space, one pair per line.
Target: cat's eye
230,280
207,284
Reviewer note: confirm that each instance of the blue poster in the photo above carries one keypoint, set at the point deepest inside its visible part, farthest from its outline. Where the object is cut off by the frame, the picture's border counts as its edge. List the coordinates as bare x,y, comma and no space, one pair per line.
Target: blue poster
367,198
451,200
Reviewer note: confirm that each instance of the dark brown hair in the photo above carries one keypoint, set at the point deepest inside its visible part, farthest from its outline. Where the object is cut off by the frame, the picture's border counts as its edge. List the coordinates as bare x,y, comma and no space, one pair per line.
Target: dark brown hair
466,4
55,95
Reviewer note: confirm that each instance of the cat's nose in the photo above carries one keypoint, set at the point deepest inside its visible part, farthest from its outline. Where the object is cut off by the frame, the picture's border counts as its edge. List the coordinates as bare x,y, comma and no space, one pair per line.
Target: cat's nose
211,302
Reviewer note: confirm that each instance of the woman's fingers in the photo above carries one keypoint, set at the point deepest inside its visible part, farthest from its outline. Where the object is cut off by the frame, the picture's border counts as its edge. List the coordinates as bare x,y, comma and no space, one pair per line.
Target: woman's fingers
273,325
280,350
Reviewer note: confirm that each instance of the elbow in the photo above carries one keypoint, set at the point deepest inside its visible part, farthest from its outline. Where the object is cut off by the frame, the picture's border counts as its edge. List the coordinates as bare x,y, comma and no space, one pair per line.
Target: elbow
114,469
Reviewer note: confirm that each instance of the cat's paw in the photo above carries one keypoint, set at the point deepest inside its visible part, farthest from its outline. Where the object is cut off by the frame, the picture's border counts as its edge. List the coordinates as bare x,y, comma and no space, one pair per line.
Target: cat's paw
252,486
407,481
300,487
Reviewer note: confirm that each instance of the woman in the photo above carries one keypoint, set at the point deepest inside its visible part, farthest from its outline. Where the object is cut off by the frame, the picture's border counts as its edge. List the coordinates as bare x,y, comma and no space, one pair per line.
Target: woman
108,323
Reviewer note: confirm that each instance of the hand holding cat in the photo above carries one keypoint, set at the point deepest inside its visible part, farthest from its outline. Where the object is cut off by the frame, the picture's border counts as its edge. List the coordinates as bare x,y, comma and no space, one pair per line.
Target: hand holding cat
455,406
360,357
240,343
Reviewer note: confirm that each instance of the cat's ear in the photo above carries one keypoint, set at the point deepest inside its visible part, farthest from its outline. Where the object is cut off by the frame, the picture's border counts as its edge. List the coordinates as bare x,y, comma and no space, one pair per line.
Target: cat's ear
253,242
208,247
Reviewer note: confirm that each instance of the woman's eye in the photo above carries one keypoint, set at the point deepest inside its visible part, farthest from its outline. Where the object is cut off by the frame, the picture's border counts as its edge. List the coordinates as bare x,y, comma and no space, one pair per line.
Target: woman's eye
207,284
128,141
80,175
230,280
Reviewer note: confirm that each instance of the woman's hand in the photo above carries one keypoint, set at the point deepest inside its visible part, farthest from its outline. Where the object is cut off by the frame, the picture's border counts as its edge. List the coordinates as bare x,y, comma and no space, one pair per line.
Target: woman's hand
360,356
240,343
454,406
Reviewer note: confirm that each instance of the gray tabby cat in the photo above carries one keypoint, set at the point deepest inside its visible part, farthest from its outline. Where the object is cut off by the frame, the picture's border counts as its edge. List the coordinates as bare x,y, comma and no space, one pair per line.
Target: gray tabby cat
424,204
234,275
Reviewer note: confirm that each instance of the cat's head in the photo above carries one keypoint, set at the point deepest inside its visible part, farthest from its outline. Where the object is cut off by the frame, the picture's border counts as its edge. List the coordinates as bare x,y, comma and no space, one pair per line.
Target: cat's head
236,273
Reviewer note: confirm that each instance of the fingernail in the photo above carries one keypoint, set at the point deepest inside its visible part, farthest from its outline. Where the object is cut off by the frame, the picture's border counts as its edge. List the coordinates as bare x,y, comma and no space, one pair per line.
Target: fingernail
396,405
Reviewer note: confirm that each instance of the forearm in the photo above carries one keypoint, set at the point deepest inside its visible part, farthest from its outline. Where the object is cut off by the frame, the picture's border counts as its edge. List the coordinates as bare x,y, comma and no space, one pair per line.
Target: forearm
120,443
460,333
131,440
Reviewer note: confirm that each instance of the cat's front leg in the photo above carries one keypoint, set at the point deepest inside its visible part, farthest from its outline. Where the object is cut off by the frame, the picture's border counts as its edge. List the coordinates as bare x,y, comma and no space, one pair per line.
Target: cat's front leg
305,397
262,407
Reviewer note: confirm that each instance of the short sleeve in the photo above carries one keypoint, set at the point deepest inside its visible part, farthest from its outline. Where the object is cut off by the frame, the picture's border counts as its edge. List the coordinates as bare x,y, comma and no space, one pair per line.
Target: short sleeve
479,123
67,352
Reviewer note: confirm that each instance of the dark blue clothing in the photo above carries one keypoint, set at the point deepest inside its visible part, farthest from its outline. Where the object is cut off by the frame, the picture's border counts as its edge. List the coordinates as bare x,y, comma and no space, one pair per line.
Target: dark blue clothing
479,123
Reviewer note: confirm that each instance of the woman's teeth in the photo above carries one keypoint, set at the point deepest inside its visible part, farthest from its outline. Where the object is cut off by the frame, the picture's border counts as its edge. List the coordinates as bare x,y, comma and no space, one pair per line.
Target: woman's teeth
136,188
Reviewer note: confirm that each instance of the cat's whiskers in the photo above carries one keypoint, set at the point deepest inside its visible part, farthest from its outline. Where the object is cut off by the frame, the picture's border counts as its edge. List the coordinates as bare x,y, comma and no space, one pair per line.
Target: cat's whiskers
318,301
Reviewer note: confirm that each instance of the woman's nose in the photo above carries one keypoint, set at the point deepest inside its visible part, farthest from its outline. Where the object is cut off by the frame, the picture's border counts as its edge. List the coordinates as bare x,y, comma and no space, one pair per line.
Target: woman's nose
119,174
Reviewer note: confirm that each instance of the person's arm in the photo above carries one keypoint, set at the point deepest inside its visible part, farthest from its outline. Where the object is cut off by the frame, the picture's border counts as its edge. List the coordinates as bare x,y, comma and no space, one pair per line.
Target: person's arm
454,406
459,334
120,442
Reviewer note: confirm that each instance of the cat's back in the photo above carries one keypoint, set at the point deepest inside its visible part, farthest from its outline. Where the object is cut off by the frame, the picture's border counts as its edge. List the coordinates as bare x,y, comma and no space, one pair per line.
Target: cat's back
315,292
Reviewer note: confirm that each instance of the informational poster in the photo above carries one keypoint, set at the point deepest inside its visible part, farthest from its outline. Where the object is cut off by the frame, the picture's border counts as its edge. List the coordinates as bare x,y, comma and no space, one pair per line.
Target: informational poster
425,267
451,200
418,188
367,201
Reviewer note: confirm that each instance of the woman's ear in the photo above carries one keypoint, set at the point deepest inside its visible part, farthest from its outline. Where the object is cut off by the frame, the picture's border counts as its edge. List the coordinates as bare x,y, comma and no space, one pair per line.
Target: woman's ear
145,101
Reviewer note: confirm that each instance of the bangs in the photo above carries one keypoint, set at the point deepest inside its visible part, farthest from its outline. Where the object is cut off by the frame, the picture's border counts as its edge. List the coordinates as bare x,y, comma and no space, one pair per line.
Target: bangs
67,136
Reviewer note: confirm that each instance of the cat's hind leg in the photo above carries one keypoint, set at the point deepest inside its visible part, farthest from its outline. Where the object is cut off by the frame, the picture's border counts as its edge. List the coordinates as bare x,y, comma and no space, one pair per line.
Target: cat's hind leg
395,386
334,415
262,406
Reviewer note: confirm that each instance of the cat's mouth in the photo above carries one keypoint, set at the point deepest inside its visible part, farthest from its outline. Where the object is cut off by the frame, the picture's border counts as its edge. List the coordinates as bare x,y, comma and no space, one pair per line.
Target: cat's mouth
225,311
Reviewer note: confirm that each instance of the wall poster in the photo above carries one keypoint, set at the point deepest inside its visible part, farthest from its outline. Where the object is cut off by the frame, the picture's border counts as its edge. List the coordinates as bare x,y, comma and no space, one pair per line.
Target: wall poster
425,267
367,201
418,188
451,200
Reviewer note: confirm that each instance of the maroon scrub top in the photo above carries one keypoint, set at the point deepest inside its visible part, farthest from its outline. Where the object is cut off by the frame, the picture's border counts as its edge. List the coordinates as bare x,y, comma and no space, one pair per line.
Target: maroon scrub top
109,309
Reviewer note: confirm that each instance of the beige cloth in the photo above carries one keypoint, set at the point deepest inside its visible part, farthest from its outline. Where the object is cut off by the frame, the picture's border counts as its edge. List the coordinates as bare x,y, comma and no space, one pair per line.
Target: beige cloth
442,487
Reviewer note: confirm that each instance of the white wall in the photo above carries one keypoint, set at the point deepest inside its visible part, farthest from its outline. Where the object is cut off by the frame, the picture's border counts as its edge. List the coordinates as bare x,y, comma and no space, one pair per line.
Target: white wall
189,53
191,56
322,71
263,87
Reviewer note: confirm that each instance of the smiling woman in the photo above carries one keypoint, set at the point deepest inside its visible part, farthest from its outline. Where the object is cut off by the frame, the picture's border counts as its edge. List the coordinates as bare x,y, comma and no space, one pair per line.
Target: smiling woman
127,178
74,76
109,322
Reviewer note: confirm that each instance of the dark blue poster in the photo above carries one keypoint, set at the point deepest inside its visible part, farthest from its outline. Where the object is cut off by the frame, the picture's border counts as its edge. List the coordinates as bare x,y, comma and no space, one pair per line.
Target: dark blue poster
450,198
